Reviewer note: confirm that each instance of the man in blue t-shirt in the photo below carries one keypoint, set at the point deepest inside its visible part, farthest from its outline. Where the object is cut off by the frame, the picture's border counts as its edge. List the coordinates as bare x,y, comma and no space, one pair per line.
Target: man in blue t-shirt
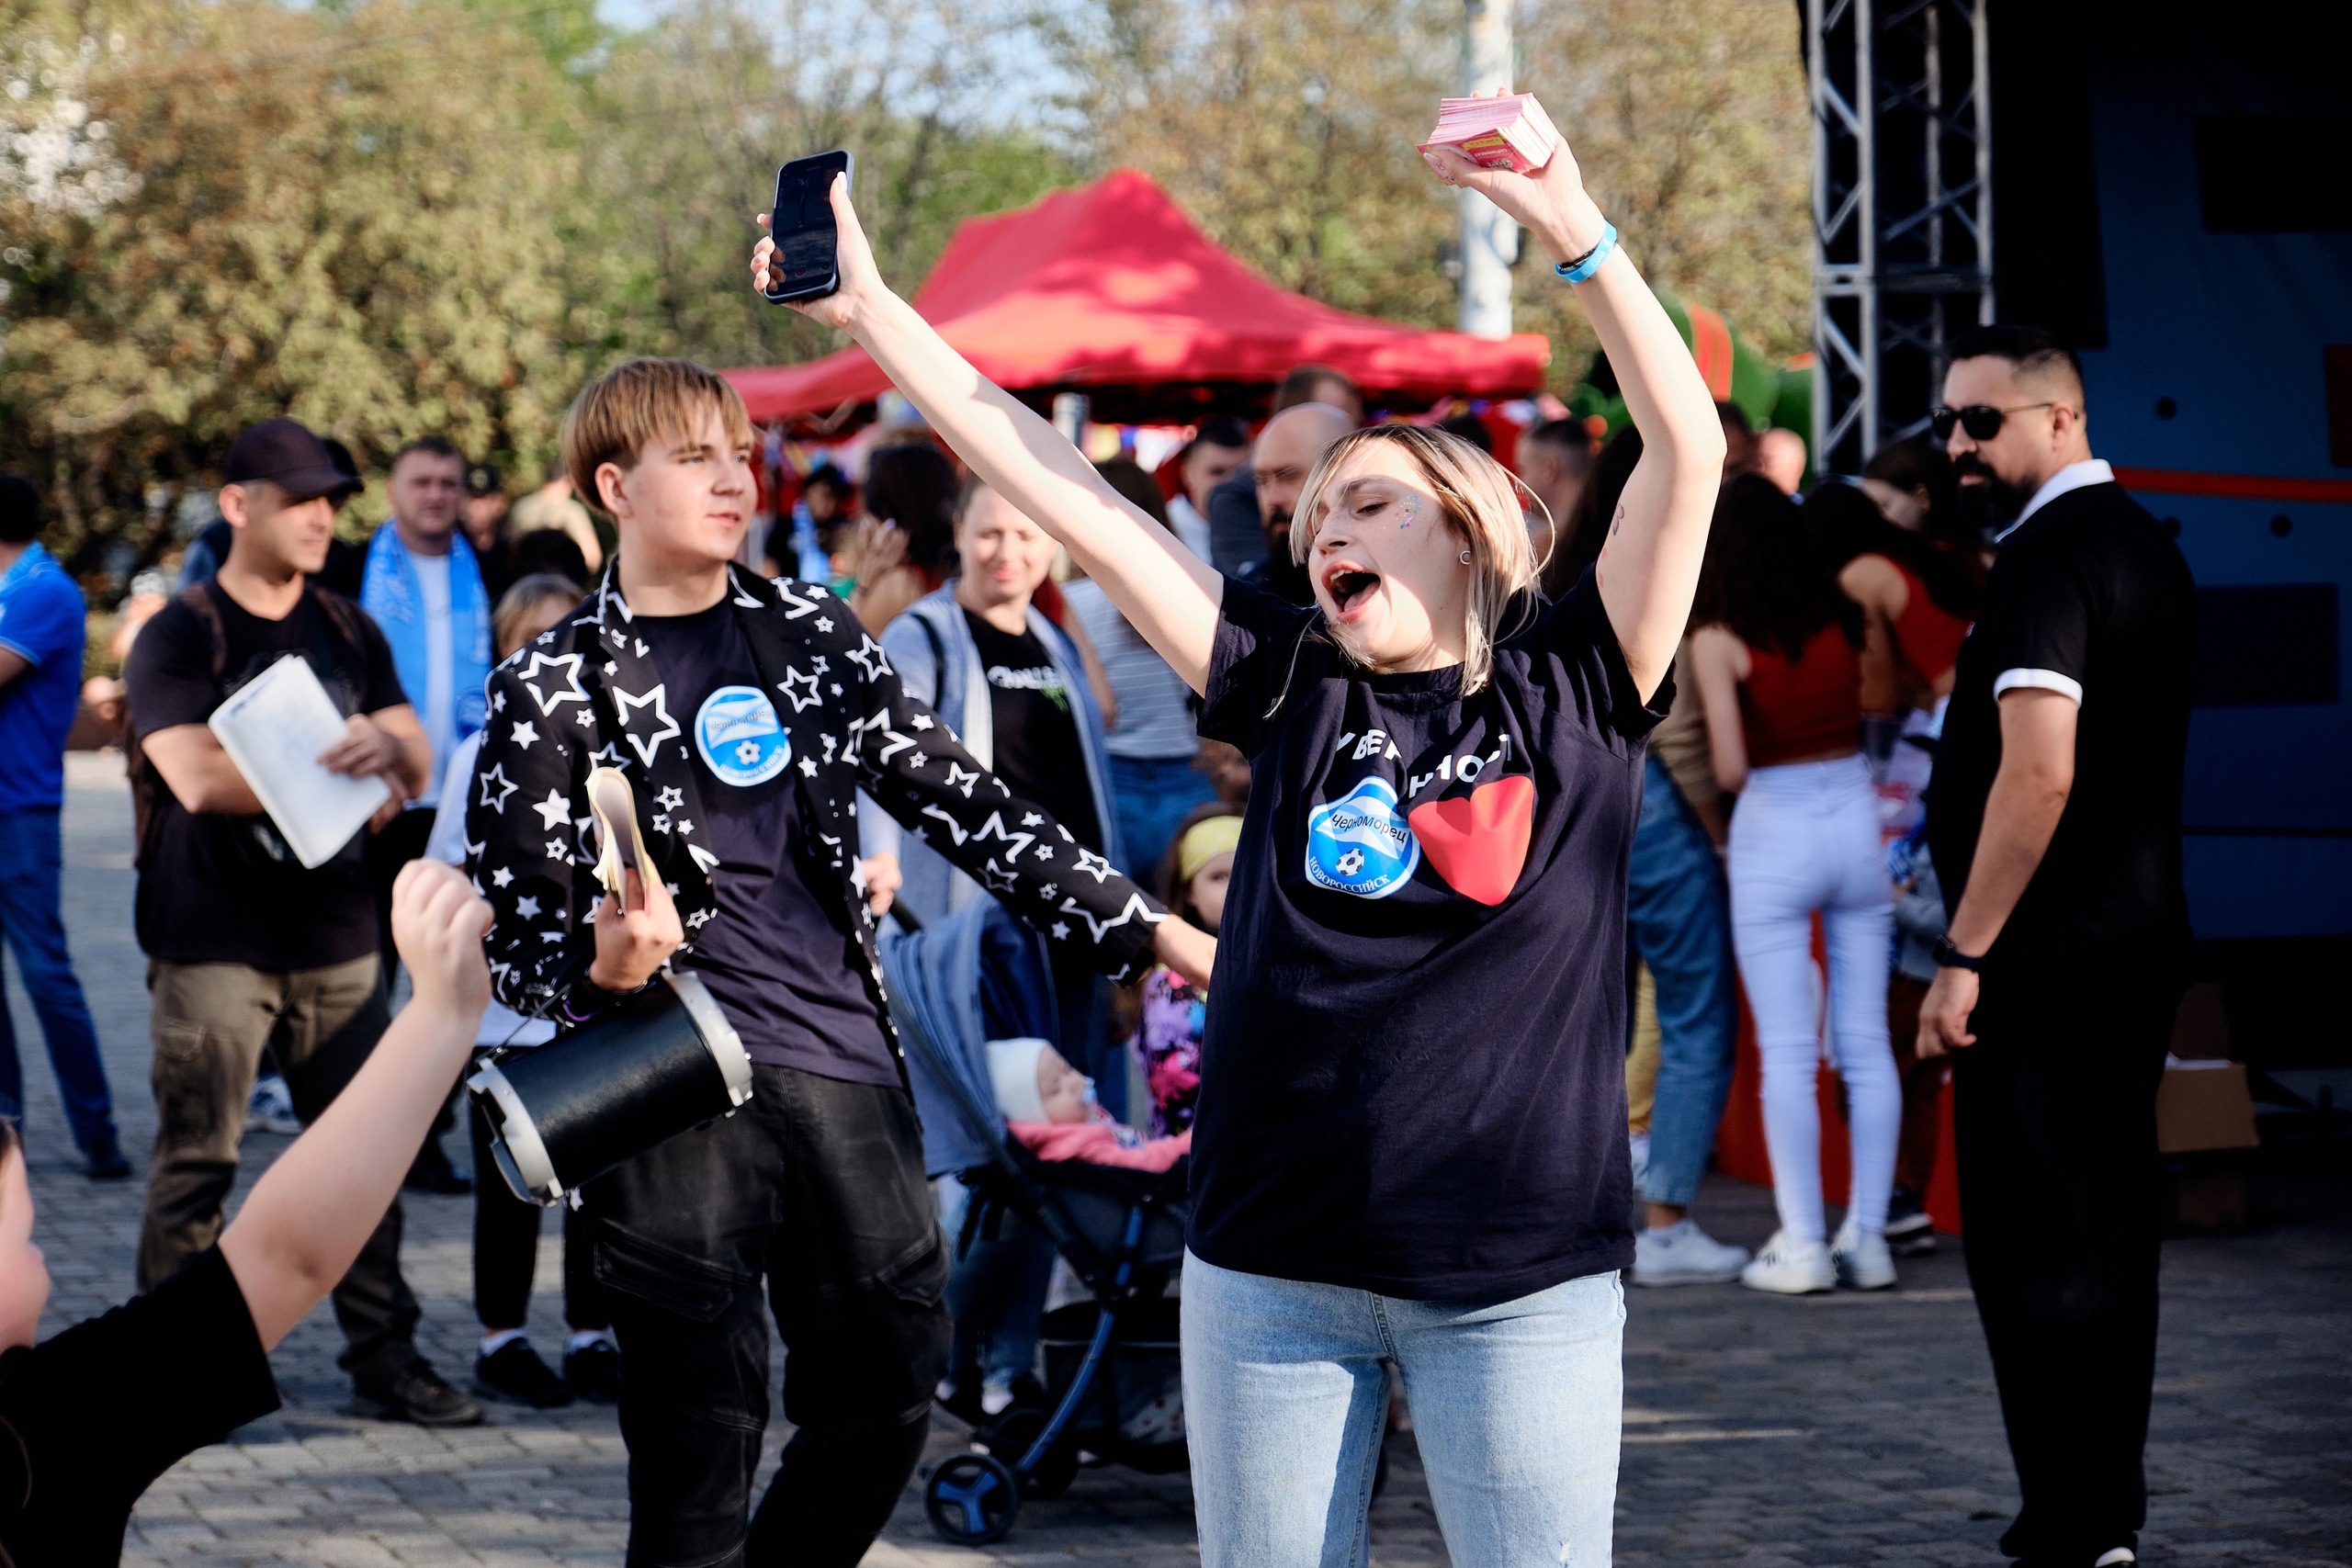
40,677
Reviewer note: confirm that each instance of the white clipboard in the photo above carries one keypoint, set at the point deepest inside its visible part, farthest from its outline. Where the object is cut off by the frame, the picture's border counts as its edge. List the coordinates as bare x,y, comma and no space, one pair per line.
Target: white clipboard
274,730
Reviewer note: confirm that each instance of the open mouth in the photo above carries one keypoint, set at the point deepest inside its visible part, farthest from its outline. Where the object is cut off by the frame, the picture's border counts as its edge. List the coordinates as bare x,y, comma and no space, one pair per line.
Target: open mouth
1350,587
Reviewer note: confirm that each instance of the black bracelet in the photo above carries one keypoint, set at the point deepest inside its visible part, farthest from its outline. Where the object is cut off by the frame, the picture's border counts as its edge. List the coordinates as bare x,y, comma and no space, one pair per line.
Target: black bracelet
1947,956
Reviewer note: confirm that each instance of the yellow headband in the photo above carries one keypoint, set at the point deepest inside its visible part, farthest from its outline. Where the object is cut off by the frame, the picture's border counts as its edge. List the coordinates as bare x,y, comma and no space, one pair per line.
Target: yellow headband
1206,839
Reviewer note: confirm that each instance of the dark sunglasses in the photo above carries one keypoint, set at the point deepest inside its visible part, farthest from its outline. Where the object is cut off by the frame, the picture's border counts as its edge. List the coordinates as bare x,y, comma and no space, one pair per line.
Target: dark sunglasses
1982,421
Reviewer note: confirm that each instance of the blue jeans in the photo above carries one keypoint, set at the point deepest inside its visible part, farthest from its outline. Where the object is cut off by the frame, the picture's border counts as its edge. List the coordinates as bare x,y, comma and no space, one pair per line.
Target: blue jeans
1151,796
31,859
1681,924
996,1292
1518,1407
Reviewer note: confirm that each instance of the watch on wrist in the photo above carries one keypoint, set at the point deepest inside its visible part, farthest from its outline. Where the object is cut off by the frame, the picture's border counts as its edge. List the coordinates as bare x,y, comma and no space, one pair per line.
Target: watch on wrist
1947,956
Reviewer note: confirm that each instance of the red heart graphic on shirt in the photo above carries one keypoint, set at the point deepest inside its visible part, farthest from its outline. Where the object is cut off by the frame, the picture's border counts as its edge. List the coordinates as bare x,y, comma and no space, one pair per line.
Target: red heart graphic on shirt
1478,842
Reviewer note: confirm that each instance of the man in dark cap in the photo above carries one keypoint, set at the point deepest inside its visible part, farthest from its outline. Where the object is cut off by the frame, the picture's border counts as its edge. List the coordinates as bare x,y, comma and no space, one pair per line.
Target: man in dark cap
483,517
251,953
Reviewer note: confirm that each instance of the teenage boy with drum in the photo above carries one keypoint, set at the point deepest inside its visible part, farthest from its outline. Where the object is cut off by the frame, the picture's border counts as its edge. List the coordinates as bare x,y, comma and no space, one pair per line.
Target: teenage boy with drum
747,715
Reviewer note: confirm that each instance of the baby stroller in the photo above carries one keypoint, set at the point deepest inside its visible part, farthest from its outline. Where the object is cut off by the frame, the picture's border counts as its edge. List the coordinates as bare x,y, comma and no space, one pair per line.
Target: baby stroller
1113,1371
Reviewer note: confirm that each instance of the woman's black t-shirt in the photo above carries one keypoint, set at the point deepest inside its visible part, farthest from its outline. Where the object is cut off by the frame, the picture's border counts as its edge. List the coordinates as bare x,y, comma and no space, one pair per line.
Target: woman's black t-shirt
89,1419
1412,1079
1034,715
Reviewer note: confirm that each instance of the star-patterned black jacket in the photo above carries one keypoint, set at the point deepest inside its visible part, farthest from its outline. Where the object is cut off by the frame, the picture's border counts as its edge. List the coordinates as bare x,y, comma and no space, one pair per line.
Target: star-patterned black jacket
589,694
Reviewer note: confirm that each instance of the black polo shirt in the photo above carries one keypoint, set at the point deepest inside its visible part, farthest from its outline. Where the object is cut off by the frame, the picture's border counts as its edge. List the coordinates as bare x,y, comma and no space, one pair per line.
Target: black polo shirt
2088,593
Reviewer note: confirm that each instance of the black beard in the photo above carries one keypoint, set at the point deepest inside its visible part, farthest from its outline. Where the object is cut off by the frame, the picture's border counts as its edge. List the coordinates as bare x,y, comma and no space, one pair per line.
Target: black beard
1991,503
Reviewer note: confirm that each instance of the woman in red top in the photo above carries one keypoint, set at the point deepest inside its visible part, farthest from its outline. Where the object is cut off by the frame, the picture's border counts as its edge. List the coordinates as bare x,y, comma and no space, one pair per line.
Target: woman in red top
1777,659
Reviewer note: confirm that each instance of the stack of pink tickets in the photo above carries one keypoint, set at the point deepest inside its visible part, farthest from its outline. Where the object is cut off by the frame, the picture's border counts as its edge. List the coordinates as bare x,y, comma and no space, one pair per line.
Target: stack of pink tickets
1508,133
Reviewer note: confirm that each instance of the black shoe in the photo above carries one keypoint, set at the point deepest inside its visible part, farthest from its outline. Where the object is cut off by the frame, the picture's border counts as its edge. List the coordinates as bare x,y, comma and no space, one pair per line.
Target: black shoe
103,1161
1909,1232
432,1172
415,1392
594,1371
515,1374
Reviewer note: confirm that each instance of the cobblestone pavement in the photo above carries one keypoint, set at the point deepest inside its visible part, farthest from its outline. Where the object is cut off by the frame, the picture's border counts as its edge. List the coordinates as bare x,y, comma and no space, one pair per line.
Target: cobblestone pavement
1758,1430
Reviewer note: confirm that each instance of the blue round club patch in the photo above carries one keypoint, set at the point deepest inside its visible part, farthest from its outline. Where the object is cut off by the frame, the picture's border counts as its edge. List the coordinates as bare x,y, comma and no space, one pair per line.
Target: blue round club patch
736,732
1361,843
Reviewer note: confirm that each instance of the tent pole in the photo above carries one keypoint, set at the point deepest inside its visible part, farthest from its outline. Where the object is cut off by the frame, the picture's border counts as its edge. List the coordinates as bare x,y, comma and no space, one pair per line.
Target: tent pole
1490,240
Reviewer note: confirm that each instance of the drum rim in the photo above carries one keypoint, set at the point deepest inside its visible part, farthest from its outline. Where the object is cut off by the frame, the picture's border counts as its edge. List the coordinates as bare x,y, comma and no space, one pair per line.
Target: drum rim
520,1137
719,1036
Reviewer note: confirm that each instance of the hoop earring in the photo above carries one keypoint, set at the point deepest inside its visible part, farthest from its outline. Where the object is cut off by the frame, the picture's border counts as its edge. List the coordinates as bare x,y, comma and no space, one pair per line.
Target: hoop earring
1465,558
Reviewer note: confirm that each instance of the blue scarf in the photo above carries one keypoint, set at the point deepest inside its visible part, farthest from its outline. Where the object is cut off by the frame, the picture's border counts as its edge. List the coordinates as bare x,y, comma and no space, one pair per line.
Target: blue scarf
391,595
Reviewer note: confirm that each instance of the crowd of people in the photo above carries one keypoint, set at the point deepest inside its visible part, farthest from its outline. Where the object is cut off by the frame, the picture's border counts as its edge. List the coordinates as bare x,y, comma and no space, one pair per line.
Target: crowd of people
1393,717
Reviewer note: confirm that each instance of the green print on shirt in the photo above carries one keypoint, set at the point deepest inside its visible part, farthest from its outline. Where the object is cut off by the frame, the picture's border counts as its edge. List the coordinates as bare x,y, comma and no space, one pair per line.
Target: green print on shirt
1046,680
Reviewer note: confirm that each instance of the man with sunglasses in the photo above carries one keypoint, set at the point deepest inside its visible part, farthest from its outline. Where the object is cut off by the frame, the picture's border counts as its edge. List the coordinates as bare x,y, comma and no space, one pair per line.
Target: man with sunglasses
2055,826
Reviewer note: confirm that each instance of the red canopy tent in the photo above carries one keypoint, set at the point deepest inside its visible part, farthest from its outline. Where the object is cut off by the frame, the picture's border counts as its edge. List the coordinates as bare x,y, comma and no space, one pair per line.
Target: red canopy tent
1109,289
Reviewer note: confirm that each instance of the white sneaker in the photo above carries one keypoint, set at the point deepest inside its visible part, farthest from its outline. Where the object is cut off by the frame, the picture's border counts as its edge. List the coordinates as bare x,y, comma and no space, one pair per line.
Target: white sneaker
1862,1262
271,1109
1788,1267
1682,1254
2121,1554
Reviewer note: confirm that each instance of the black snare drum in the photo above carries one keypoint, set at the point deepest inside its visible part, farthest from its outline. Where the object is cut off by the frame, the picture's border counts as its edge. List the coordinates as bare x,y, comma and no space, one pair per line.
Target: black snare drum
563,1113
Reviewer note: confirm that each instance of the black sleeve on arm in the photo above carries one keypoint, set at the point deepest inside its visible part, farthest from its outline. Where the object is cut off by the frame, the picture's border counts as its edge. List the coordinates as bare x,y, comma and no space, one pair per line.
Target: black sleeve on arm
1260,649
1576,630
525,864
168,676
2039,614
383,686
913,765
103,1408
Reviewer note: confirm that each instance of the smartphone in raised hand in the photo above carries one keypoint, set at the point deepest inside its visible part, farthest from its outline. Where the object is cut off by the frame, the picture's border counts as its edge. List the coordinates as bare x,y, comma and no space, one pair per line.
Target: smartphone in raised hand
802,223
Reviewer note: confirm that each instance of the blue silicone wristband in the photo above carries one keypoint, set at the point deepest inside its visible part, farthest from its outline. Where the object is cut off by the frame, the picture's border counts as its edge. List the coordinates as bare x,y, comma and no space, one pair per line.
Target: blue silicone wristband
1591,262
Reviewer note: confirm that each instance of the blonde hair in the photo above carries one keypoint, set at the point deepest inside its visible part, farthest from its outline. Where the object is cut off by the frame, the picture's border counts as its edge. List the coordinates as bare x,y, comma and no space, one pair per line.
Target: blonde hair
638,401
521,601
1480,501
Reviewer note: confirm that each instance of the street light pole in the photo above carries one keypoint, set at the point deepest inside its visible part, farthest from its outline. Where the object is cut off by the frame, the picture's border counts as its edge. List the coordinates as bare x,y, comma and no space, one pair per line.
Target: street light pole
1490,240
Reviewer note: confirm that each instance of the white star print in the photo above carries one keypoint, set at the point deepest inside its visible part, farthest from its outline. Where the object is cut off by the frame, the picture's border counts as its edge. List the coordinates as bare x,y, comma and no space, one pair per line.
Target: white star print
527,908
1030,819
961,777
917,761
658,700
495,789
793,678
570,692
497,701
524,733
999,880
557,850
837,688
583,717
1136,909
922,721
684,826
869,657
500,877
808,767
1046,852
1061,930
1099,871
670,798
662,822
554,811
824,622
699,919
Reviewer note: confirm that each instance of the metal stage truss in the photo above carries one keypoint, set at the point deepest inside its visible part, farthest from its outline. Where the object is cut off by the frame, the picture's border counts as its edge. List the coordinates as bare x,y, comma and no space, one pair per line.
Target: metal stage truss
1902,211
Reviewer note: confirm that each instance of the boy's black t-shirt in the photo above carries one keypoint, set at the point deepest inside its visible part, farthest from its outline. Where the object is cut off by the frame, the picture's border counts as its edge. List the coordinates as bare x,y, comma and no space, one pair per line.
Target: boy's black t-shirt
90,1417
1035,718
2088,589
781,961
215,889
1412,1079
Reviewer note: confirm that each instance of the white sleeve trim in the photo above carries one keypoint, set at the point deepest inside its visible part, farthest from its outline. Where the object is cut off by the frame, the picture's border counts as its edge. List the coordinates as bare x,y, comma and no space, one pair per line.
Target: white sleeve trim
2040,680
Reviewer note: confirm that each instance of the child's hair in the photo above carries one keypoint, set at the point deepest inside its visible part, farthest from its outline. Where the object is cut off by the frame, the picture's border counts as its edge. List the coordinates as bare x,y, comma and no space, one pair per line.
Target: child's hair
638,401
527,595
1175,887
1480,499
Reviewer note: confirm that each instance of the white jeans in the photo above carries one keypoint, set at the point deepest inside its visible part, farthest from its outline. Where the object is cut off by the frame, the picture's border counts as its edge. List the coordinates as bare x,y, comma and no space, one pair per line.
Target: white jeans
1804,838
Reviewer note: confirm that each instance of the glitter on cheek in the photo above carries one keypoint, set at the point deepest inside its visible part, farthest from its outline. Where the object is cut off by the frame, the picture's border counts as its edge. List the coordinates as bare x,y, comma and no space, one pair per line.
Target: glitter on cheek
1412,510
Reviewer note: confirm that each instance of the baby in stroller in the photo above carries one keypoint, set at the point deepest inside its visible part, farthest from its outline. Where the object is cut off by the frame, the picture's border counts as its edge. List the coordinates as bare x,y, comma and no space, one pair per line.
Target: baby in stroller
1050,1107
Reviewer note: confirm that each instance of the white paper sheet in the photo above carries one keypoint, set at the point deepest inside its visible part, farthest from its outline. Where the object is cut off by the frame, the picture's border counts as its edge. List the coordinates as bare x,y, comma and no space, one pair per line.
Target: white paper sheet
274,730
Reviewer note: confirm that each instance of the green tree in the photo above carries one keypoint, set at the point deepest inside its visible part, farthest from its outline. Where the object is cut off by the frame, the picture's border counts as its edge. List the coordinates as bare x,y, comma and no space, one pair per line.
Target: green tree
694,115
219,212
